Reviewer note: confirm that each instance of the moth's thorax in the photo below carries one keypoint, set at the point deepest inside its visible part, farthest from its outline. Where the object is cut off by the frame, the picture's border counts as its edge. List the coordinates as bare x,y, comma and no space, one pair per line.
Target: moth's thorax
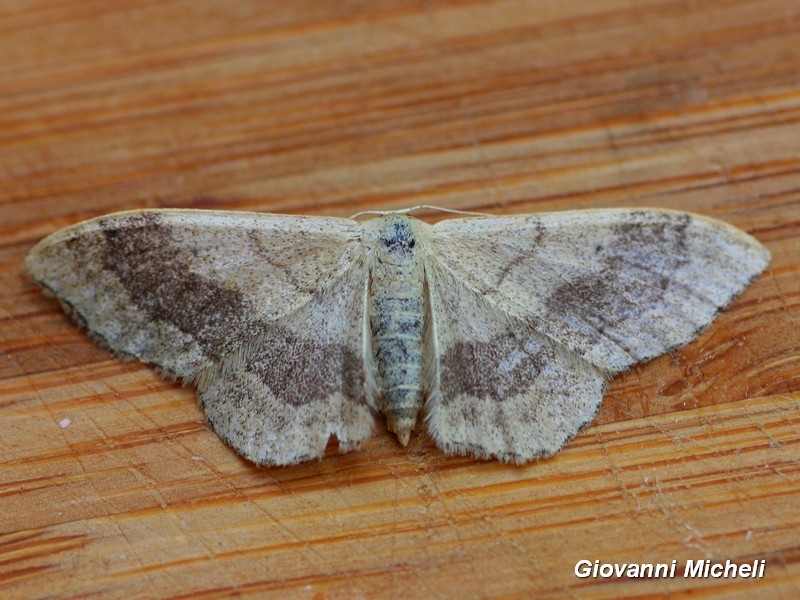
397,311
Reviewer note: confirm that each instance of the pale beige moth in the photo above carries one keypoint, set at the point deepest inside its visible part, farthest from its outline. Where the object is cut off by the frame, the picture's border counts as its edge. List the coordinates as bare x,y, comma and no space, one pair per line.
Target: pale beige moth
500,333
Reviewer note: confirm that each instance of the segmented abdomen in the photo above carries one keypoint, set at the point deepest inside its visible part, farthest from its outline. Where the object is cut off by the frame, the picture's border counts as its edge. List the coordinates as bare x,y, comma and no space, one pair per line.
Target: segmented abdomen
397,323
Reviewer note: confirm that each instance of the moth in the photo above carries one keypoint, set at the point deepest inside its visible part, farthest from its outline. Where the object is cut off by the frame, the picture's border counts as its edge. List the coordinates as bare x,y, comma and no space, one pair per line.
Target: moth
501,331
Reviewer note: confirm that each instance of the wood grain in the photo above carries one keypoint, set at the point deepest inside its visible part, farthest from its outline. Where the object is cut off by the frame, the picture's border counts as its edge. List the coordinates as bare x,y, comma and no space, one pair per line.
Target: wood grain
111,486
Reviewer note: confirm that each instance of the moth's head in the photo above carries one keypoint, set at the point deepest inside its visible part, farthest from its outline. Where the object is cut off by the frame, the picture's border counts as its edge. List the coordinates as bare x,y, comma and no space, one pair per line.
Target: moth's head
397,235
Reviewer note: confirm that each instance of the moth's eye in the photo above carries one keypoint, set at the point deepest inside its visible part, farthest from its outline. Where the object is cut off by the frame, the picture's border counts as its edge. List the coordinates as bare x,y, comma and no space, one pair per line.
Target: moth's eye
412,243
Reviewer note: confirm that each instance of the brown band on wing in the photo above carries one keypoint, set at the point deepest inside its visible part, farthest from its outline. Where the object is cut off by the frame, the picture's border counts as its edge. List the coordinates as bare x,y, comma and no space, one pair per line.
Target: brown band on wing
299,370
603,298
498,369
151,267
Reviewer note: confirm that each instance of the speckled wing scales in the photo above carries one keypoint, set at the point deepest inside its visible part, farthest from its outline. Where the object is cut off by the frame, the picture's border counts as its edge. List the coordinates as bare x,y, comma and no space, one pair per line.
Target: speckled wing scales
282,395
497,388
200,294
580,295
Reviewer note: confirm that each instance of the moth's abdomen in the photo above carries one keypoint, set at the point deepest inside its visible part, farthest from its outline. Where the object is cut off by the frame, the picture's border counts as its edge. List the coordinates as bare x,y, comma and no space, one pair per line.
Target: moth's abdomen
397,325
397,331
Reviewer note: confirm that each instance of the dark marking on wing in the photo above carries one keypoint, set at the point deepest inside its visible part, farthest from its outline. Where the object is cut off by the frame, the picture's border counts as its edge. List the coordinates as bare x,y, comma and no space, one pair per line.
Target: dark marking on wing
508,267
298,370
498,369
151,267
517,256
603,298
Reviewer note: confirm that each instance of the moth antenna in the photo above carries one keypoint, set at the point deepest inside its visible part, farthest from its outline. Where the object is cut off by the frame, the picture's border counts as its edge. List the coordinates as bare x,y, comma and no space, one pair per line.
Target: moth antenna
405,211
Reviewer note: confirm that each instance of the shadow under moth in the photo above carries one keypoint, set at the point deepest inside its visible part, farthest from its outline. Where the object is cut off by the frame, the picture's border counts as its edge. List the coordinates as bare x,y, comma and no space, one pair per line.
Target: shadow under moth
501,331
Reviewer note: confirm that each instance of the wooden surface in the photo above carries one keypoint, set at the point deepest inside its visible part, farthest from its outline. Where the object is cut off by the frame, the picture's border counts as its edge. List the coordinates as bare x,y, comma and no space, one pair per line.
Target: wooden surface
111,485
